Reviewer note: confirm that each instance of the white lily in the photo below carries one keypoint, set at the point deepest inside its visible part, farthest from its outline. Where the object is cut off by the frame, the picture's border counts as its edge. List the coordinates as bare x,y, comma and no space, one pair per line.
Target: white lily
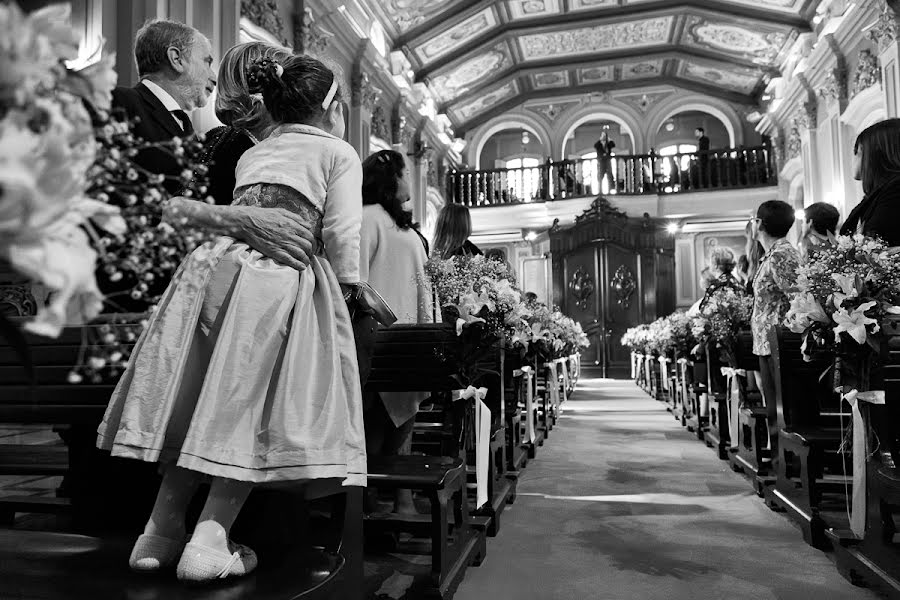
854,323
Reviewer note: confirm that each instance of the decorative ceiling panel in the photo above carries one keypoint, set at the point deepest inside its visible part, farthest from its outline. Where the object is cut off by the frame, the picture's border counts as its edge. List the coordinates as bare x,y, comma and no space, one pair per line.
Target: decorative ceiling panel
642,69
551,110
530,9
577,5
550,79
407,14
738,79
452,39
475,70
643,101
789,6
487,100
599,74
598,38
758,42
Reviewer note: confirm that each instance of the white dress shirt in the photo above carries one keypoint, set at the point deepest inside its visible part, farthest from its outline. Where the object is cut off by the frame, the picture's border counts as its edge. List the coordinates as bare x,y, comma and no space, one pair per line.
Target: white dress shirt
167,100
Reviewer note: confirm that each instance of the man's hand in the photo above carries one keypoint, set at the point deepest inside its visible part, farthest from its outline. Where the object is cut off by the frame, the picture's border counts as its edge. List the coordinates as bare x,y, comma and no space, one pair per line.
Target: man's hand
277,233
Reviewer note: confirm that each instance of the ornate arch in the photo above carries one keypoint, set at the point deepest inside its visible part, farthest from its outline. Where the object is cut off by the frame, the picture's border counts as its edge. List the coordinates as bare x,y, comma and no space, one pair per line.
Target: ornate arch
719,109
515,120
628,120
866,108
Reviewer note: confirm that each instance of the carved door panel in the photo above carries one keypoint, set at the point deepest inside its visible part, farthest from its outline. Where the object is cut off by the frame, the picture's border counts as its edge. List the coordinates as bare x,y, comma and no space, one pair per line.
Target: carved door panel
582,301
622,307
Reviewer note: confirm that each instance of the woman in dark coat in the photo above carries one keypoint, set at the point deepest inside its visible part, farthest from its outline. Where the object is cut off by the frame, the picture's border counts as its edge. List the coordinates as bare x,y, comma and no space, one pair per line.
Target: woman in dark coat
877,165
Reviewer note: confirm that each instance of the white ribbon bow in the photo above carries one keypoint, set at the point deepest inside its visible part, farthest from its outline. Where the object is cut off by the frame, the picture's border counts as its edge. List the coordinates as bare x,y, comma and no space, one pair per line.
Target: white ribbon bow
473,392
682,361
529,405
482,440
860,452
734,399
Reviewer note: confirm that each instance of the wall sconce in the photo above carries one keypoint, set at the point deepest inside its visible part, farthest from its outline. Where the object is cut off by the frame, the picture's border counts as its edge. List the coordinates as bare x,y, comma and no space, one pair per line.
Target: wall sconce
673,228
420,150
670,125
530,236
525,138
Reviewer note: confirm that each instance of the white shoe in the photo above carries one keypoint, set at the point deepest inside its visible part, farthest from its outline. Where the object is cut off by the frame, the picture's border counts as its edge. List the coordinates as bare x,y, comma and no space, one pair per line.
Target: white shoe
154,553
201,563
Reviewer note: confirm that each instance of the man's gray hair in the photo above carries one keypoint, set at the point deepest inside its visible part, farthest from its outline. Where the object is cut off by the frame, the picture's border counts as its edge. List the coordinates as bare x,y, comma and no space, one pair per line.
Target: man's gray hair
153,40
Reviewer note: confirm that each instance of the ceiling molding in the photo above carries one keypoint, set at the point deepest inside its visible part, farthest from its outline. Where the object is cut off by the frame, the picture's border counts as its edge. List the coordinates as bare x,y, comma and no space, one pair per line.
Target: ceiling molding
674,82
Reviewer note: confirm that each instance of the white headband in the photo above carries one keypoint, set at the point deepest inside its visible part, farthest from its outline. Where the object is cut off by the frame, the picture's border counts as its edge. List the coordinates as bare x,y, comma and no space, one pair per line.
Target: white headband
330,95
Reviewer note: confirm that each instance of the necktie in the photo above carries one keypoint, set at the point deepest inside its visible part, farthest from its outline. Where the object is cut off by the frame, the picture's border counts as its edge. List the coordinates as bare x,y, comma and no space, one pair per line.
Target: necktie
185,121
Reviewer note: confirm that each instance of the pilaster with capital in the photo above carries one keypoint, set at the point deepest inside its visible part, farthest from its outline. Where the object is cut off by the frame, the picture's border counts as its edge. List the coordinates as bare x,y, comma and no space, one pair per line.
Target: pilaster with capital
886,34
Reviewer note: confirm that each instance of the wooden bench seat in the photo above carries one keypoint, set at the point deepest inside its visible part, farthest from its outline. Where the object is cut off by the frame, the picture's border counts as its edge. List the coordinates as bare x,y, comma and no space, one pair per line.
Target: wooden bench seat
36,459
805,434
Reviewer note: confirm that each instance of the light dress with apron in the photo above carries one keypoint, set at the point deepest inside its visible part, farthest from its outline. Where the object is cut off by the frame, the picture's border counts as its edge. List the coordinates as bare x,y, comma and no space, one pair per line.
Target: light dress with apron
248,368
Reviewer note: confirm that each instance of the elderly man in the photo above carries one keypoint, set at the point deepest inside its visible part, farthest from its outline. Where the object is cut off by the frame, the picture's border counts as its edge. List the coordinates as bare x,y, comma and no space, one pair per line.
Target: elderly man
177,73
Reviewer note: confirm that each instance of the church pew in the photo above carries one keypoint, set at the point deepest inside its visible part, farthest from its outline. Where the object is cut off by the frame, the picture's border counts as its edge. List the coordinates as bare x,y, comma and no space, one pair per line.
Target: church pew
697,419
412,358
805,438
104,496
682,383
873,560
749,453
716,435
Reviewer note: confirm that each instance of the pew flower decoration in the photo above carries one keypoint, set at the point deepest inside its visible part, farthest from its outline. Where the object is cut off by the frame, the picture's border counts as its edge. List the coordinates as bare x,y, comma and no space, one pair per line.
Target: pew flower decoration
636,338
725,313
681,326
47,147
844,292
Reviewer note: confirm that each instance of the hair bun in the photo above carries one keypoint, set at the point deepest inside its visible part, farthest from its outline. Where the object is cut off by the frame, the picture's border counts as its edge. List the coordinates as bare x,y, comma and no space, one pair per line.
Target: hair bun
263,73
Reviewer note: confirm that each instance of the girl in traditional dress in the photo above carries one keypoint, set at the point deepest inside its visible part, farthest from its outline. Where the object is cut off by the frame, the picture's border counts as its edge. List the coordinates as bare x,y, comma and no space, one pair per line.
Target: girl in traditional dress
247,372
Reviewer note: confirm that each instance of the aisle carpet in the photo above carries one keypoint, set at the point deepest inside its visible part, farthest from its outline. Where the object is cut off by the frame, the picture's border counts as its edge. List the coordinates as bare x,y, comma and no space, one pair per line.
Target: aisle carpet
623,504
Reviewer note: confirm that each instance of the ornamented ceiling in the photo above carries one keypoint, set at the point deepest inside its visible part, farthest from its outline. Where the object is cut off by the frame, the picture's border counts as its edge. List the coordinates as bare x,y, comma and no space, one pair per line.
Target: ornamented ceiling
481,57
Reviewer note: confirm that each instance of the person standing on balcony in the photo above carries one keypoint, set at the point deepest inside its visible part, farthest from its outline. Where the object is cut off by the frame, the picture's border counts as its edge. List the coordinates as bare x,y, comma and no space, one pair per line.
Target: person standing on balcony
452,231
604,148
877,165
702,155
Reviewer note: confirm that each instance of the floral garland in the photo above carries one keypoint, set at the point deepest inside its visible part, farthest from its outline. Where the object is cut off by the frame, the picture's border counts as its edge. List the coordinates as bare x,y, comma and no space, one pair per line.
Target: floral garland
844,292
727,311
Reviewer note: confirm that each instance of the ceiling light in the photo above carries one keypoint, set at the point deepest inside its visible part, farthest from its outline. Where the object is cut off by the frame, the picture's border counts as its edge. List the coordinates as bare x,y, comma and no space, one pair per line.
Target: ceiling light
525,137
800,214
672,228
531,236
670,125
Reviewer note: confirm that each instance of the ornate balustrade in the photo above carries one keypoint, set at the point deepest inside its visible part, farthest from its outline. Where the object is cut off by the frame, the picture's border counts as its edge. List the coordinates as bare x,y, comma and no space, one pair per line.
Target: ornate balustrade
635,174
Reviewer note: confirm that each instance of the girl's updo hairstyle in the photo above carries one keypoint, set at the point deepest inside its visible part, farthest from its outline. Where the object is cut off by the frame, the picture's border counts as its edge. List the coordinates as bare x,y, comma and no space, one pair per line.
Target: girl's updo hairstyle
235,105
294,89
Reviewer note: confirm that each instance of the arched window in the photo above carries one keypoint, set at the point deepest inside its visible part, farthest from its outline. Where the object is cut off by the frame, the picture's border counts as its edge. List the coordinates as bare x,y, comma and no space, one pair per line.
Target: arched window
523,182
672,150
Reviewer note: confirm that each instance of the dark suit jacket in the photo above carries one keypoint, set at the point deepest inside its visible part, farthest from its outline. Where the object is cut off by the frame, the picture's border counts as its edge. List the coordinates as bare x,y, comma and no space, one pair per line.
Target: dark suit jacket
154,124
703,144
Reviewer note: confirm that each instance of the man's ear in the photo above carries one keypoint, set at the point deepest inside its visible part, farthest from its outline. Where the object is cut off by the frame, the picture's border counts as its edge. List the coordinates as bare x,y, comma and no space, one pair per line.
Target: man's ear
176,59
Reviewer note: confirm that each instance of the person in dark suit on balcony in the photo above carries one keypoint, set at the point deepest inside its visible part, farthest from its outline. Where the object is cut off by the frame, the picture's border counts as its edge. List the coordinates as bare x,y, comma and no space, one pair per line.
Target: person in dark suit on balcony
604,148
702,156
175,64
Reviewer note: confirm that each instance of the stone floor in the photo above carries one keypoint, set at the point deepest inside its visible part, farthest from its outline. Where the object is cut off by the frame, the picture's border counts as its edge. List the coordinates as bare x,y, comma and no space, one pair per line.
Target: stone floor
622,503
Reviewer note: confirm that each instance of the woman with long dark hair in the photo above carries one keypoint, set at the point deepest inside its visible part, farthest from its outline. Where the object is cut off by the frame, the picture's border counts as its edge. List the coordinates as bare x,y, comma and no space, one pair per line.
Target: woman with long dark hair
452,231
392,258
877,165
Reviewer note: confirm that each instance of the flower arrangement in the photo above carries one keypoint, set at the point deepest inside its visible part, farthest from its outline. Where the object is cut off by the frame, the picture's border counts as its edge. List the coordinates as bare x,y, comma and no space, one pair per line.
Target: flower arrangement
843,294
725,313
75,206
637,338
682,327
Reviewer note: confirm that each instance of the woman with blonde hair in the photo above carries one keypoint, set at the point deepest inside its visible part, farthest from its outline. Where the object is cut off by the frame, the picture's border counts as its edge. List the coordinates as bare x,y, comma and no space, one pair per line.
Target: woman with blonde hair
244,115
452,231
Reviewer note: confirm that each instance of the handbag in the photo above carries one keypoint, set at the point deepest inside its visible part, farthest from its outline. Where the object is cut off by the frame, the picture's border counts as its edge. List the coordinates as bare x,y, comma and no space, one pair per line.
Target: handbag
366,299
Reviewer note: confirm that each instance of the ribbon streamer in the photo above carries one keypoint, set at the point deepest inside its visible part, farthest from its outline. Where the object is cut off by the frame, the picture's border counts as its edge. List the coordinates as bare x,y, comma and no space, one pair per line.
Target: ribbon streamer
553,385
482,440
633,365
664,375
529,404
734,401
564,364
860,452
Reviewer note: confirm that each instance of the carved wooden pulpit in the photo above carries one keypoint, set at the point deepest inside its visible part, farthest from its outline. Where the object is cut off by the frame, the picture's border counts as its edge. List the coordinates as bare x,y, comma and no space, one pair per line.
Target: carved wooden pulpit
612,272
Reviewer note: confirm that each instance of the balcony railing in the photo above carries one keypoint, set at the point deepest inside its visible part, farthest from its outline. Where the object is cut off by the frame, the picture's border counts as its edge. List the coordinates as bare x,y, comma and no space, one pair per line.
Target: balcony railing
637,174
